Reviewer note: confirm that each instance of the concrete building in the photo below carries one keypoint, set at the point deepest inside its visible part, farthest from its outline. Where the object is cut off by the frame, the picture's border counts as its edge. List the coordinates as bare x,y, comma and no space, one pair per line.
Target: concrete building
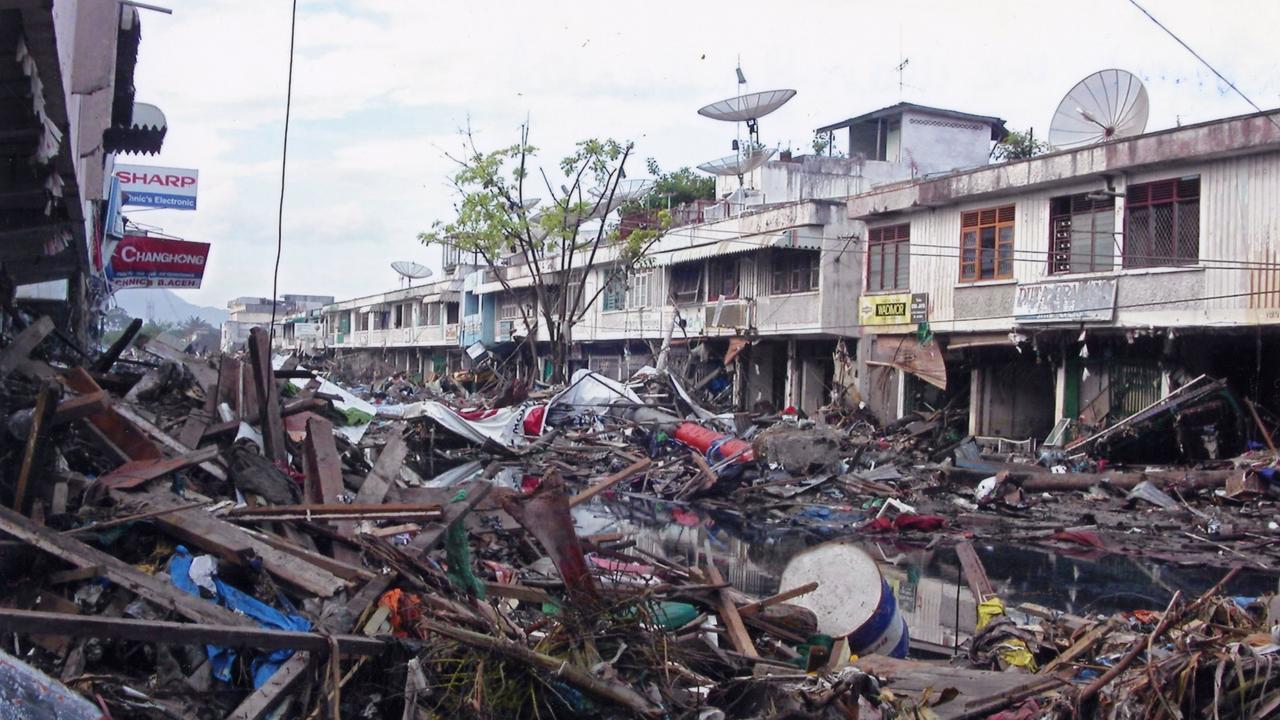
1079,285
68,107
247,313
757,287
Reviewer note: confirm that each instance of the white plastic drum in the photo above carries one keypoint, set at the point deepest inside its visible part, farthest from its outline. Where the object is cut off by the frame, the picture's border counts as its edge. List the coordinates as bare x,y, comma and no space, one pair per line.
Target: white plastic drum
852,598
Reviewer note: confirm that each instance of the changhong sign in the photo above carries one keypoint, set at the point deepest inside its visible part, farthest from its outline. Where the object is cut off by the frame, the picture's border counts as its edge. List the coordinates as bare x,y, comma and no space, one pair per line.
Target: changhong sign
142,261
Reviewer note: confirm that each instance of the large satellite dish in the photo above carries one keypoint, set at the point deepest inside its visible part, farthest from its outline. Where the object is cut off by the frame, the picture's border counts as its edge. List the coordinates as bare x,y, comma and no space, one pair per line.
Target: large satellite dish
410,270
739,164
627,190
1107,105
745,108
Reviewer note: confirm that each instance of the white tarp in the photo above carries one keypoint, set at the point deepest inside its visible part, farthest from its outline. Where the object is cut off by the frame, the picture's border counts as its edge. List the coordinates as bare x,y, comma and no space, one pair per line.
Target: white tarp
514,427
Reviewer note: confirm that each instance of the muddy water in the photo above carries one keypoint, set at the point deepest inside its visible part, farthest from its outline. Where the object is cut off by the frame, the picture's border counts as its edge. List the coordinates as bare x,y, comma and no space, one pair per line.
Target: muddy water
927,581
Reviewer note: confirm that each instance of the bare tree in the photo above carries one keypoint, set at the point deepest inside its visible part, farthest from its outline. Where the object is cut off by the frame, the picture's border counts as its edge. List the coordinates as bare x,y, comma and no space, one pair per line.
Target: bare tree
559,241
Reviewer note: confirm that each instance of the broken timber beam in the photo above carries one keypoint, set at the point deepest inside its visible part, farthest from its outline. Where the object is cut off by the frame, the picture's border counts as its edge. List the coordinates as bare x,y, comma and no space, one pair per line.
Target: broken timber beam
154,589
609,481
385,468
138,472
27,622
268,394
46,404
15,355
975,575
729,613
108,358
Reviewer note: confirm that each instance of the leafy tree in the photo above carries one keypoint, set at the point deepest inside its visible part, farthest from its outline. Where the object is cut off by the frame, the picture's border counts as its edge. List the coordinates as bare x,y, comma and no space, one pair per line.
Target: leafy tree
194,325
559,244
674,188
1019,146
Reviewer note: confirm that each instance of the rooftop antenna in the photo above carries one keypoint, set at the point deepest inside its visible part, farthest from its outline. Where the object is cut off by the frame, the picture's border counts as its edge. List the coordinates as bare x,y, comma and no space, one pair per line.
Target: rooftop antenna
1107,105
901,67
410,271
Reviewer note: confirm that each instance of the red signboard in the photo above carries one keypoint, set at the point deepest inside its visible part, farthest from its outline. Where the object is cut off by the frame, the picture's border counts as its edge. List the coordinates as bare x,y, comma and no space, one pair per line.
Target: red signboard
141,261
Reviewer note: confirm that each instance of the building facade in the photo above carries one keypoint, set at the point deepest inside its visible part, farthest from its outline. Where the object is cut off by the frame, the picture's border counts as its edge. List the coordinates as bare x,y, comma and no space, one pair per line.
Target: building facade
247,313
1080,285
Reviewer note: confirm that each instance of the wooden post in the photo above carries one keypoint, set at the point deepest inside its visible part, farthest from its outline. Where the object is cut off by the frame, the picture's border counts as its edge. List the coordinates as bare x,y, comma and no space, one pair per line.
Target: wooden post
46,404
104,363
264,382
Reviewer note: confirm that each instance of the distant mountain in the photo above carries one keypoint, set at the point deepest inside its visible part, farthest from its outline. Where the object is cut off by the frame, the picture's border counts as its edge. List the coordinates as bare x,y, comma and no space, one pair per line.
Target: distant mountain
165,306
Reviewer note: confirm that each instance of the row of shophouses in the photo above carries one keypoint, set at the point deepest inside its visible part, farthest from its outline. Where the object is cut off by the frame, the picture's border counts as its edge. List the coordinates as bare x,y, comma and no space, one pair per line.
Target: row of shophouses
910,272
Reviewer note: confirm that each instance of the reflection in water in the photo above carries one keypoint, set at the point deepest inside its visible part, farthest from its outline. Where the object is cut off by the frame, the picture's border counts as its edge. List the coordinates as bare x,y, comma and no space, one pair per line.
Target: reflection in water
927,581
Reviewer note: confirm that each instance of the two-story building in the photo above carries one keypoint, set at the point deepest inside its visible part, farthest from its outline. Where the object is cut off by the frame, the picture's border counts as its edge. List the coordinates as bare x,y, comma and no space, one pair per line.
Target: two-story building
416,329
247,313
1082,284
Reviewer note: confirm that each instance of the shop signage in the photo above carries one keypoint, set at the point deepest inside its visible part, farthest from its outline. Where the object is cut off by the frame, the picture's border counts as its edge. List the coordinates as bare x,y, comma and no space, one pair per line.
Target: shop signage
158,187
141,261
893,309
1073,301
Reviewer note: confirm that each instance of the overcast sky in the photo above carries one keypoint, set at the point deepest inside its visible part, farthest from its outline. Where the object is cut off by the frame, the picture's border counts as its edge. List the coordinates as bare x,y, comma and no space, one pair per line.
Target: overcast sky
382,87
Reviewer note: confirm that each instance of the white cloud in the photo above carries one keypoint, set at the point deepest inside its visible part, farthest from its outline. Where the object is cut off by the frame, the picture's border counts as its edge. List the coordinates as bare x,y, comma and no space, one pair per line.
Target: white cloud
381,87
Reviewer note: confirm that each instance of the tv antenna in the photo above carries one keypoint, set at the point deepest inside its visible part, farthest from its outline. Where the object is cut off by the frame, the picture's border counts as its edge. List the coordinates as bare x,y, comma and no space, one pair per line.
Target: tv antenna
410,271
1107,105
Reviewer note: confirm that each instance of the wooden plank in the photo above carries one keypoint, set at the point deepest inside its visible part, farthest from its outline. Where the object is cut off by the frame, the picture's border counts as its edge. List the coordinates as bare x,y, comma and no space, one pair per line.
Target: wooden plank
321,463
1079,647
609,481
76,575
80,407
350,573
974,574
423,542
518,592
729,613
114,428
138,472
385,470
293,407
233,544
13,356
161,632
326,511
752,608
108,358
268,395
154,589
46,404
166,440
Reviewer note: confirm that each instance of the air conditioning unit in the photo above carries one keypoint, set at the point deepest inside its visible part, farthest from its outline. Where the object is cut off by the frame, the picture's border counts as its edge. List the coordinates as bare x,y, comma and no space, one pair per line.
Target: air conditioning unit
732,314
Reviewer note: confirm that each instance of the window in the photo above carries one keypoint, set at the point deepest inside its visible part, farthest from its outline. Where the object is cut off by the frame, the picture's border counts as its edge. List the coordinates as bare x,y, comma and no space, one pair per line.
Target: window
1162,223
986,244
1081,234
889,258
639,289
615,293
686,283
795,271
509,309
399,315
433,314
451,312
724,280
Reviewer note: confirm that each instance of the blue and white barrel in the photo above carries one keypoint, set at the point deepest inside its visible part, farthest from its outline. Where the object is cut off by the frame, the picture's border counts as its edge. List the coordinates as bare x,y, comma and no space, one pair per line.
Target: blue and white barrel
852,599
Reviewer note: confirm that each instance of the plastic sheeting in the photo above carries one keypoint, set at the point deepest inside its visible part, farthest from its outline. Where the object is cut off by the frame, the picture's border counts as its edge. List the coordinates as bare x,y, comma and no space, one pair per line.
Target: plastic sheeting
514,427
222,659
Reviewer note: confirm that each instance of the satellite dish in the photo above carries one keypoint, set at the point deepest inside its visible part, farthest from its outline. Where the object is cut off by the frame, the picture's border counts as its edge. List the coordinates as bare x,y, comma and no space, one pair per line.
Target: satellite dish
627,190
745,108
740,164
410,270
1107,105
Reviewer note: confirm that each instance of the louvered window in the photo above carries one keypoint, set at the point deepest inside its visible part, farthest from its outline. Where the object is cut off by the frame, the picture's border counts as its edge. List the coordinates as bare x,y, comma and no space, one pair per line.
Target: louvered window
614,296
889,258
1082,234
986,244
1162,223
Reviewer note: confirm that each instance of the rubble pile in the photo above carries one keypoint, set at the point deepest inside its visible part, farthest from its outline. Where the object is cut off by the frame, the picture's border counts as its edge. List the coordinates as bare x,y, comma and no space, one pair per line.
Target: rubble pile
252,536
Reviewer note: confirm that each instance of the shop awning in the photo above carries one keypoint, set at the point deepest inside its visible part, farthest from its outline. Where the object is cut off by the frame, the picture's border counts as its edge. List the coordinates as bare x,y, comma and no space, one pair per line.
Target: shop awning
706,242
144,134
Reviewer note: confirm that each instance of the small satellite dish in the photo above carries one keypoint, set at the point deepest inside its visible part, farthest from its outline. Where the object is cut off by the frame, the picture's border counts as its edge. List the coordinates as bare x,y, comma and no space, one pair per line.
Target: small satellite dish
410,270
1107,105
749,107
740,164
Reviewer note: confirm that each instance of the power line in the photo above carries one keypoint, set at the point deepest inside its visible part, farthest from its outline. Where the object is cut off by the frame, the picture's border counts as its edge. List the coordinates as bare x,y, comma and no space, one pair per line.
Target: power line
284,163
1204,62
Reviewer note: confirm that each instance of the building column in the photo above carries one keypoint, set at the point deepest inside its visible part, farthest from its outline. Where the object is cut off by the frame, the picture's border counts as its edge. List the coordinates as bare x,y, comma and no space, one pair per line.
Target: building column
792,390
1060,392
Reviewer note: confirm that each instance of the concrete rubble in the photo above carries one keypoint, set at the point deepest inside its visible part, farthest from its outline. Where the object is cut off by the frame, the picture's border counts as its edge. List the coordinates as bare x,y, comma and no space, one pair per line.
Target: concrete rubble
248,536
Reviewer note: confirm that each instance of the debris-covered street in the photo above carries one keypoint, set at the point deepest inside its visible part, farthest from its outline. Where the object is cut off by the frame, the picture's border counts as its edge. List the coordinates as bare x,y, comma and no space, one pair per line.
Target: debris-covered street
559,360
